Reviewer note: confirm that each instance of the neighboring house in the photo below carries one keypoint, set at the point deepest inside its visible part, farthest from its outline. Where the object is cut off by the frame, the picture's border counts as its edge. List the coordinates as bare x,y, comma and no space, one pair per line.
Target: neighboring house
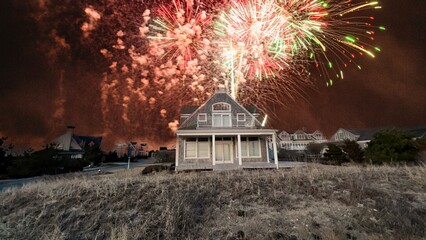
131,149
361,136
299,140
72,146
364,136
416,133
222,134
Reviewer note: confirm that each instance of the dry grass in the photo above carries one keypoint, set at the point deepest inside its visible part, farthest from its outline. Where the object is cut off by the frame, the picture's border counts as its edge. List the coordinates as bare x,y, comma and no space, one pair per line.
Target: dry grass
314,202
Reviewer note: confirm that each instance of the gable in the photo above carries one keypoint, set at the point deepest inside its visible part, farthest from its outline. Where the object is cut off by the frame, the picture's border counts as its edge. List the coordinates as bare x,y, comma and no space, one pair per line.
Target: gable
87,140
284,135
317,135
207,108
343,134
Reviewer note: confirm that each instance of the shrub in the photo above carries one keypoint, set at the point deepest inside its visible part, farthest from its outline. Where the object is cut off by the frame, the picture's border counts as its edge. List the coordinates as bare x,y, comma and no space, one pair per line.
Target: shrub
335,154
353,150
391,146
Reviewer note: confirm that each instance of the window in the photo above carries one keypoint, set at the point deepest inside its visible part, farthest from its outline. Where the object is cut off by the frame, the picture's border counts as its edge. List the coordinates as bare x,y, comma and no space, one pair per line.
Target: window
241,117
250,147
221,120
221,107
340,136
197,148
191,148
202,117
221,115
223,139
318,136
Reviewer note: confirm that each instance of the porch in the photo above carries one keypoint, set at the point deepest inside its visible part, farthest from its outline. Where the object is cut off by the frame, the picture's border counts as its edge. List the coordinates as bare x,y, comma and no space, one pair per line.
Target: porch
235,166
223,149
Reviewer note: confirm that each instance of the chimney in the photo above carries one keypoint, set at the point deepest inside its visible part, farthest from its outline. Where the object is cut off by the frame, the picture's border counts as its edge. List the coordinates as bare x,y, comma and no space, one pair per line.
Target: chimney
68,136
221,89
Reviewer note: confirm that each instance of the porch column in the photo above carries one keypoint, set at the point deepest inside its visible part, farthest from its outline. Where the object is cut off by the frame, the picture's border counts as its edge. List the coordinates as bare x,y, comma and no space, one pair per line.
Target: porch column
267,149
214,149
274,145
177,153
240,160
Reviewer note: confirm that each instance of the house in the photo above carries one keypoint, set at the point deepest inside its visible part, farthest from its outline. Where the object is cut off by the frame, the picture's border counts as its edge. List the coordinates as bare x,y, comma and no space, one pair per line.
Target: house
361,136
222,134
71,146
299,140
131,149
364,136
416,133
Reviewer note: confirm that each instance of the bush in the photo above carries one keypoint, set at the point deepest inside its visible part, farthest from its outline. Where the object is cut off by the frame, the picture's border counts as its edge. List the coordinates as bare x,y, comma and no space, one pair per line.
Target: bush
165,156
41,162
353,151
5,160
335,155
391,146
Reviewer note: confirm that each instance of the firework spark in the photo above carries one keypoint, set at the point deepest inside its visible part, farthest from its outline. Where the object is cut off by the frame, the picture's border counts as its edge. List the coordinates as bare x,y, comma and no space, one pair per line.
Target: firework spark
265,38
181,31
260,50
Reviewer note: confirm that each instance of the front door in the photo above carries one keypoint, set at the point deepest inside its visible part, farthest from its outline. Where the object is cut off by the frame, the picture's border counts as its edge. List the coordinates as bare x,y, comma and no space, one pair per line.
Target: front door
223,152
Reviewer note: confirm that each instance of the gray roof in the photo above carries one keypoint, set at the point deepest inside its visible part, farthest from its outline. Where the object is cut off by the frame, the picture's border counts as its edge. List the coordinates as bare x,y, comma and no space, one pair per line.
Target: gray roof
191,109
416,132
367,134
188,109
252,109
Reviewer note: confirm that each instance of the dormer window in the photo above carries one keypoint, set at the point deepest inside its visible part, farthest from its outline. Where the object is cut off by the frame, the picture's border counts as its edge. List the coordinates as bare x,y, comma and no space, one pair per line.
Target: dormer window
318,136
202,117
221,107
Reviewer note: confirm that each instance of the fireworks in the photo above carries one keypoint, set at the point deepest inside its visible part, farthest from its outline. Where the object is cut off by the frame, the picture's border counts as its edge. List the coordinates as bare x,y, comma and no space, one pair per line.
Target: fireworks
260,50
253,40
266,38
180,30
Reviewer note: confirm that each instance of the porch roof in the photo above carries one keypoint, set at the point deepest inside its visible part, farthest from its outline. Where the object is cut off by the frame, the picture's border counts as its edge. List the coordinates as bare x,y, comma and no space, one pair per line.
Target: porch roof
225,131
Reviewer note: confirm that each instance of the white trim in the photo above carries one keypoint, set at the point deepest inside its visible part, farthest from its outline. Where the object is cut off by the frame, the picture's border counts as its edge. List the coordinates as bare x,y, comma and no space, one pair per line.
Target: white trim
214,149
267,150
208,100
231,148
202,114
185,153
230,131
240,160
274,145
196,149
177,153
248,147
221,114
241,114
223,103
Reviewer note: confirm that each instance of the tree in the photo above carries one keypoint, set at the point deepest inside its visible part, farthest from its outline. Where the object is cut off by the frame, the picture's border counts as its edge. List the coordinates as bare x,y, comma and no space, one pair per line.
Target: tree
335,154
353,150
5,159
93,154
37,163
314,150
391,146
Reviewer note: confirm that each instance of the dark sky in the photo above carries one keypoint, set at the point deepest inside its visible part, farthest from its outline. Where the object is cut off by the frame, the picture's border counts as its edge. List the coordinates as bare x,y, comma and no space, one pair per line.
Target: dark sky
50,76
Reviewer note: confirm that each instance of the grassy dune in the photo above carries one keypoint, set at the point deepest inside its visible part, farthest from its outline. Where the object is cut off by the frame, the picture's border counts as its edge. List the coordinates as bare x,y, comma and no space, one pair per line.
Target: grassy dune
313,202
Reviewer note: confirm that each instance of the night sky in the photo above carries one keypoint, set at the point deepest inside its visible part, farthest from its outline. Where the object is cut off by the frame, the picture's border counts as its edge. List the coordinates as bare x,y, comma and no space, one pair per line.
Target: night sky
50,76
